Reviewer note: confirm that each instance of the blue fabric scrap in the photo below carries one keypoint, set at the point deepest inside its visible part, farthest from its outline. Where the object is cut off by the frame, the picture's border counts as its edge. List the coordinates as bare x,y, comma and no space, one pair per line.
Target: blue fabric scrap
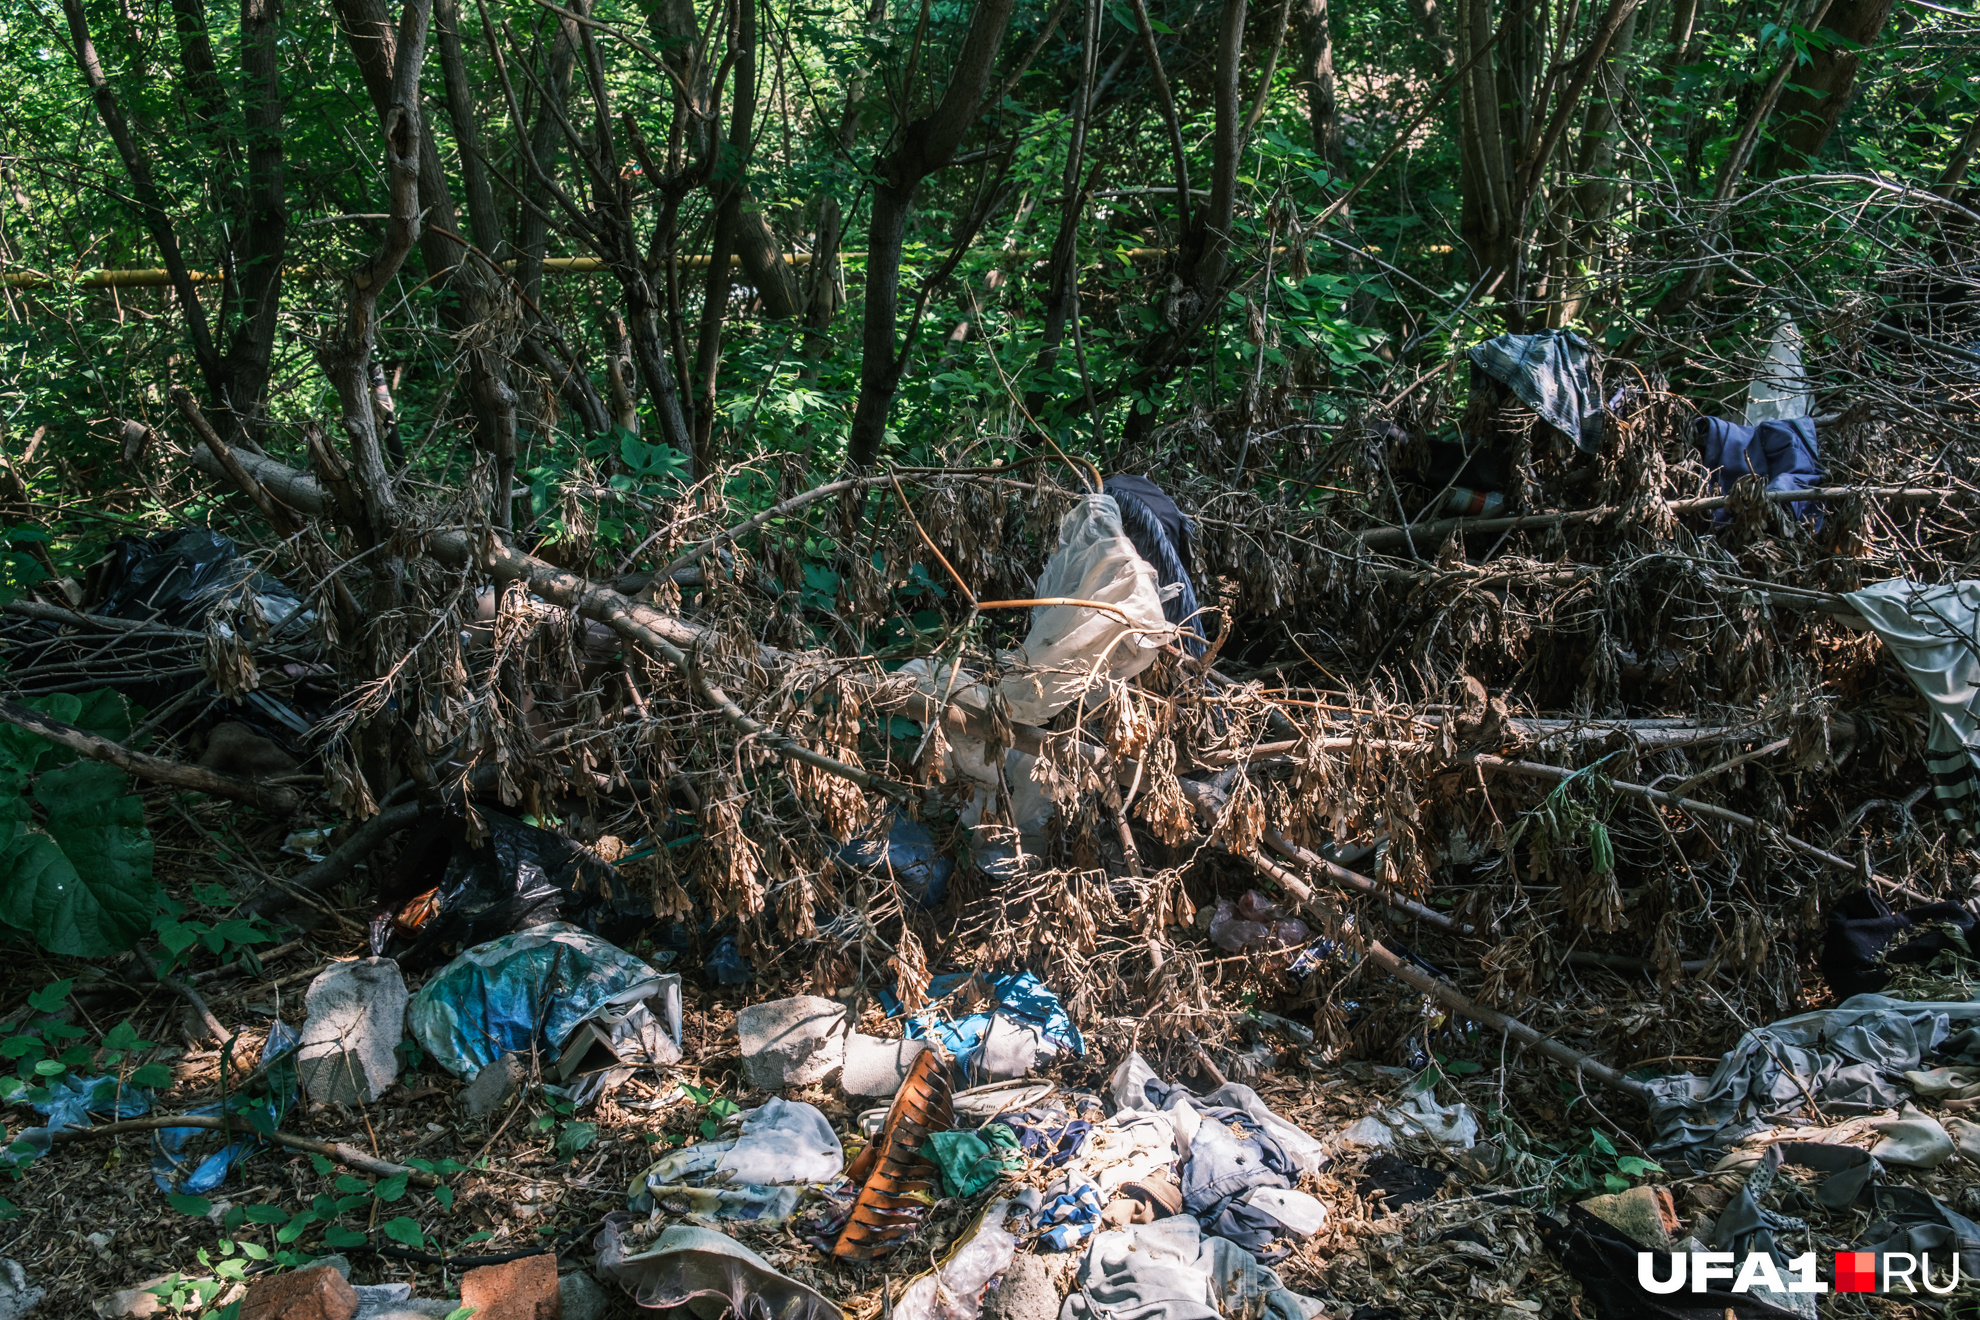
1074,1215
1784,453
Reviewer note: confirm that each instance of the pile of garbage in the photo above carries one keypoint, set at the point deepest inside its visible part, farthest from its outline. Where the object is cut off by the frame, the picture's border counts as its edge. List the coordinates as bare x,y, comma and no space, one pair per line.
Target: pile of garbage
923,885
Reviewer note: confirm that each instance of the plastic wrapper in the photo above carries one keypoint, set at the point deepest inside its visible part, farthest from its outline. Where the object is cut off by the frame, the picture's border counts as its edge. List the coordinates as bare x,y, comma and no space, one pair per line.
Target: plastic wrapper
954,1289
176,1167
1254,924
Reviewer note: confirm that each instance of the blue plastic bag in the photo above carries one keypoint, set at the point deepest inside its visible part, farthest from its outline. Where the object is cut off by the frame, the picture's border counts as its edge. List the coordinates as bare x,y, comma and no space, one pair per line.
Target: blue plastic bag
1019,995
535,985
909,851
177,1171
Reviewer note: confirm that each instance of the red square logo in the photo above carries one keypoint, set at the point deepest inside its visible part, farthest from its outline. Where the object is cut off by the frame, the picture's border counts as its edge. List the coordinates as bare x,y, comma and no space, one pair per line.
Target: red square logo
1856,1271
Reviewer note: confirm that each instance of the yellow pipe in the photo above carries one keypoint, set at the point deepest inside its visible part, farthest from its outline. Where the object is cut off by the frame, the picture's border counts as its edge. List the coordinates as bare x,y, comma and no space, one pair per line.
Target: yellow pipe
159,279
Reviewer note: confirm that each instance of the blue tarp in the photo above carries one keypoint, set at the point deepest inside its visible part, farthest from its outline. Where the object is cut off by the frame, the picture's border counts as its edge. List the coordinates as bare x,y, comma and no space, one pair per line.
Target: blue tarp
535,985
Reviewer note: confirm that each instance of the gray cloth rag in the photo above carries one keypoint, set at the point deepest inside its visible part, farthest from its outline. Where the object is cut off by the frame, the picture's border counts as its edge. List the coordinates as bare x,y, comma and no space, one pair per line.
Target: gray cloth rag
1901,1218
1548,372
1848,1059
1168,1270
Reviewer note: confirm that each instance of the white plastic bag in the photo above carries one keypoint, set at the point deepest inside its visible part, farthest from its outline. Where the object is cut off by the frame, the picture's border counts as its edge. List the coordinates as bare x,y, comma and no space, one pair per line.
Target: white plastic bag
1069,650
1072,647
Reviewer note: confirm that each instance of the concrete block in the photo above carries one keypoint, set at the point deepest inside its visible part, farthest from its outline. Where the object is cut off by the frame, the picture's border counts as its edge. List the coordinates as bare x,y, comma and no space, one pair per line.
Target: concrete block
876,1066
791,1042
355,1016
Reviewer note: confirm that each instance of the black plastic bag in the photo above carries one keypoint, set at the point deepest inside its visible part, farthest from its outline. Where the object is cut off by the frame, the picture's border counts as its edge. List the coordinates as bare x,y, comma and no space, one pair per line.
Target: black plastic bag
1603,1262
445,895
175,577
1865,936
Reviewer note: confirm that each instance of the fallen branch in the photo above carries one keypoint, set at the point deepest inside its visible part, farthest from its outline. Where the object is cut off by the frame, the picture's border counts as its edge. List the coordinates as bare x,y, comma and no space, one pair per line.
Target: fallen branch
336,1150
1450,997
1427,535
44,613
1347,879
339,864
634,621
269,797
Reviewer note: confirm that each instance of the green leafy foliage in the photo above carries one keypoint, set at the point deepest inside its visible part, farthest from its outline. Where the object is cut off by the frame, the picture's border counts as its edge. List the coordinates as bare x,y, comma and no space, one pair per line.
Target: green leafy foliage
73,843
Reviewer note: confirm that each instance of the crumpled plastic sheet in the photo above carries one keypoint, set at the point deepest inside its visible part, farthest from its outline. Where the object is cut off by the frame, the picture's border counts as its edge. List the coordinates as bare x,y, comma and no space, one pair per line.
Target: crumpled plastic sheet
497,997
517,877
175,1170
907,851
1843,1057
70,1103
954,1289
1417,1114
710,1273
639,1038
753,1175
1169,1270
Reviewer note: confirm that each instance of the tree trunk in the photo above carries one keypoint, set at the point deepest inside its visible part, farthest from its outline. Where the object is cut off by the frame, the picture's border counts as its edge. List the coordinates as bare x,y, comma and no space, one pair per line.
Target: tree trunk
476,294
1820,90
926,145
265,225
763,261
1485,213
1316,79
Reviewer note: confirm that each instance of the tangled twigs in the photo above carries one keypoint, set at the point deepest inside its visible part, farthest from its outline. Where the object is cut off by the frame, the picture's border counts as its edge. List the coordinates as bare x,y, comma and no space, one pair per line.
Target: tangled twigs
642,626
635,622
1450,997
1535,770
1351,880
269,797
1389,538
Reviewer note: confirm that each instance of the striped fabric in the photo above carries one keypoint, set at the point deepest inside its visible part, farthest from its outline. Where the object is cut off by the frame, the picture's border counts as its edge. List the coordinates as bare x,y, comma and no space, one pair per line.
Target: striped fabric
1934,633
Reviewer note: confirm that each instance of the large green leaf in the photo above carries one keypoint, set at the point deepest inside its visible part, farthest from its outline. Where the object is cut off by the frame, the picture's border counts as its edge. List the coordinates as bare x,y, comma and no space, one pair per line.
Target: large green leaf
83,886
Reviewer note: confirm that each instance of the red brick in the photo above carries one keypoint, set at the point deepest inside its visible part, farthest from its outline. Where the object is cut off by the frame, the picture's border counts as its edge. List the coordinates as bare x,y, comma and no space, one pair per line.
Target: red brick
317,1293
523,1289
